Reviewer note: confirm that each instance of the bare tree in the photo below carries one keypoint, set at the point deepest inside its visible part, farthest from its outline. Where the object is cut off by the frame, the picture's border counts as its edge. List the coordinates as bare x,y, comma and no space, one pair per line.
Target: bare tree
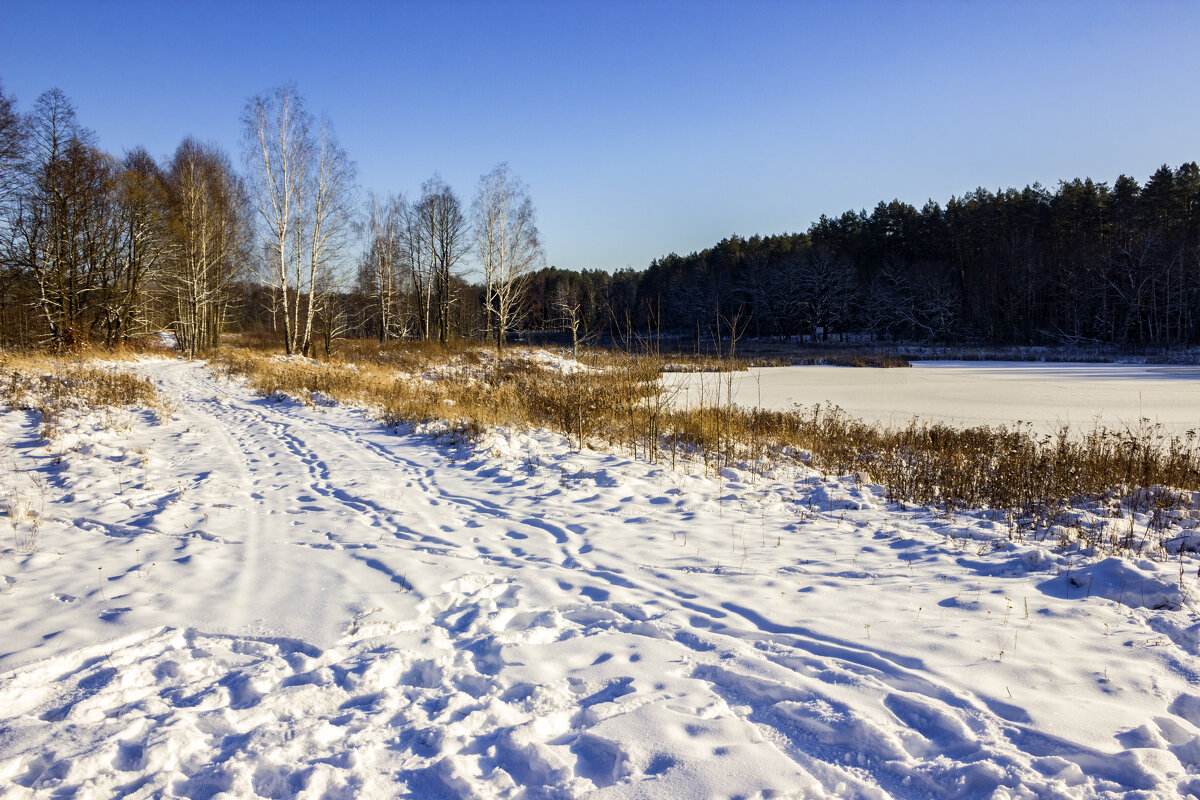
81,228
507,246
380,277
207,239
417,261
569,315
142,206
278,145
438,242
302,187
330,217
12,146
934,306
916,300
332,319
826,285
65,227
12,150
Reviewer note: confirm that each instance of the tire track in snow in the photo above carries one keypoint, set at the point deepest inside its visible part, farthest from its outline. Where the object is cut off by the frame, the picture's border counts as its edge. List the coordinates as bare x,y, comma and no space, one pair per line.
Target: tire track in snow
266,455
914,700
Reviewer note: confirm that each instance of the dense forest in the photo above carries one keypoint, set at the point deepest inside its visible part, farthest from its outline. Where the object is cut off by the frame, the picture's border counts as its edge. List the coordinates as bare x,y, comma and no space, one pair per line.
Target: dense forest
95,247
1083,263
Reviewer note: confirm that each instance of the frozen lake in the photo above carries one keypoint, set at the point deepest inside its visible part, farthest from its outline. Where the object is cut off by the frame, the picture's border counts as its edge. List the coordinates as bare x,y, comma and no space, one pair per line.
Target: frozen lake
1047,395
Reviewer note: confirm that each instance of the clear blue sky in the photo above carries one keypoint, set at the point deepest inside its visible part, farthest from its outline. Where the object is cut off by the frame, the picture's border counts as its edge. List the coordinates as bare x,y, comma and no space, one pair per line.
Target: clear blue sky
649,127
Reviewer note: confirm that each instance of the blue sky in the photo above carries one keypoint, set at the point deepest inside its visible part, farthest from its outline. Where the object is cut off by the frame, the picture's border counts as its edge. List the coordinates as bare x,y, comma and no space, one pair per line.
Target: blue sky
644,128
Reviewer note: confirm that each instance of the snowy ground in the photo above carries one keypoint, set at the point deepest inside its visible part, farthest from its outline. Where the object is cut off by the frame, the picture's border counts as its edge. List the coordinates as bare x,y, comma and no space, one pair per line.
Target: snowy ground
258,598
1046,395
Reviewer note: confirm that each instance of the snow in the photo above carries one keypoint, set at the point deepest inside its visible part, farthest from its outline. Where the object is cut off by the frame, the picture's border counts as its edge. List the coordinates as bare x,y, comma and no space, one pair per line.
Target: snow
270,599
1046,395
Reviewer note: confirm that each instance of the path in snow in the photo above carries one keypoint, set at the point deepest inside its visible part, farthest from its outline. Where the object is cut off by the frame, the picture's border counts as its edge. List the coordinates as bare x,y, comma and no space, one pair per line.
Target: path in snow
262,598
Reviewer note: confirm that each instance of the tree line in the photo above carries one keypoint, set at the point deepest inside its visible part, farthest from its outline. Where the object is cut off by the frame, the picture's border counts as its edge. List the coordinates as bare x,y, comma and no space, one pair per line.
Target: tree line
100,248
95,247
1083,263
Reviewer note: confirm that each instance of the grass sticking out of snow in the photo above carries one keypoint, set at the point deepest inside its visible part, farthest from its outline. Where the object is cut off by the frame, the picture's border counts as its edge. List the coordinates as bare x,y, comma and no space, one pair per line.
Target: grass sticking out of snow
854,359
1037,483
50,384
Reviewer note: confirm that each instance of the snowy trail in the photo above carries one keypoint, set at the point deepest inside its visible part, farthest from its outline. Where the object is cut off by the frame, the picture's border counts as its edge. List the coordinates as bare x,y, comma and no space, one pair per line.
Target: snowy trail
262,598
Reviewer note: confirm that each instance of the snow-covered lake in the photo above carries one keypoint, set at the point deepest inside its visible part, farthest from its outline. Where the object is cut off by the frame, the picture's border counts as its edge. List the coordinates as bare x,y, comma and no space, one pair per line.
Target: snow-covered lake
1047,395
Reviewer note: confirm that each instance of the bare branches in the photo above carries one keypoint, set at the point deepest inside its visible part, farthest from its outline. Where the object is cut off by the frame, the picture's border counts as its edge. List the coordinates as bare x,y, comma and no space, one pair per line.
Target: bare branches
330,217
65,234
206,240
437,242
508,247
302,187
381,277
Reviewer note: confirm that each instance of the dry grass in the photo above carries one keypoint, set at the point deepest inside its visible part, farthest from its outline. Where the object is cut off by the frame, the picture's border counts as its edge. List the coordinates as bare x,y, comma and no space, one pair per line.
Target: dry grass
471,388
855,359
51,384
1036,483
129,349
23,497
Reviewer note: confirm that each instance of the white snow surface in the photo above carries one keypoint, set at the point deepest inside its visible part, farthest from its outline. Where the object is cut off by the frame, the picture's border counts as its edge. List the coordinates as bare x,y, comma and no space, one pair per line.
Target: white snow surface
261,598
1045,395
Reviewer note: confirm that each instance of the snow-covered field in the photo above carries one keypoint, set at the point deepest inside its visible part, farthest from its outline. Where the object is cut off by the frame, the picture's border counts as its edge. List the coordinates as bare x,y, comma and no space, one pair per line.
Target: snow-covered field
974,393
260,598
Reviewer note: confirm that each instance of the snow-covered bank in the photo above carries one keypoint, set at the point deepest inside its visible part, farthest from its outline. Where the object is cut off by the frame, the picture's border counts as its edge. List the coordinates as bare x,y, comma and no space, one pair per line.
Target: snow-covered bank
263,598
1046,395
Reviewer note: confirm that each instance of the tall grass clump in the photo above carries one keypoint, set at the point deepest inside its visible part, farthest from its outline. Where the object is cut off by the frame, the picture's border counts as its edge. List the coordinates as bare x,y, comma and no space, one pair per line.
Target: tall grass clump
619,399
1035,481
615,400
50,385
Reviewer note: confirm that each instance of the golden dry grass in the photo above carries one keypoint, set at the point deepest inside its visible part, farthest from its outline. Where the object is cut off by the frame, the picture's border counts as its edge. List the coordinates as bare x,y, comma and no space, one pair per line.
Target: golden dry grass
50,384
471,388
616,399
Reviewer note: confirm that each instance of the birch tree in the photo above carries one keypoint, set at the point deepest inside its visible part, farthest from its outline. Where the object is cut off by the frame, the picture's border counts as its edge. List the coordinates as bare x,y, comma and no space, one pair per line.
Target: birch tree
569,316
330,219
301,184
508,248
207,241
277,139
438,234
381,276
